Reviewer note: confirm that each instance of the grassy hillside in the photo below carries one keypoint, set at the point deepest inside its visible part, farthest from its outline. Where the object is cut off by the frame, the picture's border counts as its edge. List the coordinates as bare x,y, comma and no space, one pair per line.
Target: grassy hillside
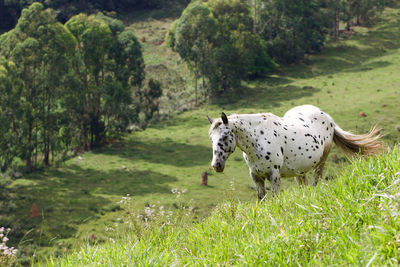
79,201
353,220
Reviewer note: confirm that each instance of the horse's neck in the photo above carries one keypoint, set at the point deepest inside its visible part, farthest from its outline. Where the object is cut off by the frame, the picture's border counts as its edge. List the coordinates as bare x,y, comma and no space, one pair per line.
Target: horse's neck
244,133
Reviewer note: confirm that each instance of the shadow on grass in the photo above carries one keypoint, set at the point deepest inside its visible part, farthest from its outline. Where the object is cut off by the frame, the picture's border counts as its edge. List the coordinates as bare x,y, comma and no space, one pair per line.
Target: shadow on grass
68,197
161,151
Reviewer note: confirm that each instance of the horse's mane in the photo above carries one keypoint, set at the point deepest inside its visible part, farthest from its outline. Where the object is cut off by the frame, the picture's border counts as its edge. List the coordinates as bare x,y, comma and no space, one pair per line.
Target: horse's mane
214,125
247,117
250,117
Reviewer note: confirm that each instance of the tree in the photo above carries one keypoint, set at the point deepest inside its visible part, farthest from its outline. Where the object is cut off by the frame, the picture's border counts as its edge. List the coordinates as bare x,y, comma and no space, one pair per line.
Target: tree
40,47
294,29
194,34
109,63
216,39
149,100
11,88
69,83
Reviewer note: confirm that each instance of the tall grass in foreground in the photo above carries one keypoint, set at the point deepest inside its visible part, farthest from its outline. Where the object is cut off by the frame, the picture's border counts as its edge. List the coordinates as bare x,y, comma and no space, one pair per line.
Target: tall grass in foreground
352,220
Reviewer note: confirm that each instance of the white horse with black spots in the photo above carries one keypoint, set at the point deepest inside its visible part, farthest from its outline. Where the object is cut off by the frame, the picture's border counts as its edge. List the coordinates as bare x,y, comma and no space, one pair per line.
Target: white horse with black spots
275,147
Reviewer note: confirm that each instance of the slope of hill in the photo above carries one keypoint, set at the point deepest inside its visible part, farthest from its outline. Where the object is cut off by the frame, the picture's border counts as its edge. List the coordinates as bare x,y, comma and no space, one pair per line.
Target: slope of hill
353,220
79,201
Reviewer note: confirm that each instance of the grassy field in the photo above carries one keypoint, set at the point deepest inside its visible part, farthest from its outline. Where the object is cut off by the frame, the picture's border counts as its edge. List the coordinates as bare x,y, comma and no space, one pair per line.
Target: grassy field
79,201
351,221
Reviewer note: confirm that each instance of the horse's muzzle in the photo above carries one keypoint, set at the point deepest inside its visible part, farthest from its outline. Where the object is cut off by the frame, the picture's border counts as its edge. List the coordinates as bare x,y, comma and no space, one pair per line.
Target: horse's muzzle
219,167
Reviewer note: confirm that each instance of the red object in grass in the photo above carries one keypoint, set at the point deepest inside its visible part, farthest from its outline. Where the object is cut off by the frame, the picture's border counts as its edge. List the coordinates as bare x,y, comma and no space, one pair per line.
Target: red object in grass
34,211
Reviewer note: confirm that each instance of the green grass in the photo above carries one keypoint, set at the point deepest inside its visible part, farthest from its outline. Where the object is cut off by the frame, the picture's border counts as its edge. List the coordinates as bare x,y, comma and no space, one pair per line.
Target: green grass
78,200
352,221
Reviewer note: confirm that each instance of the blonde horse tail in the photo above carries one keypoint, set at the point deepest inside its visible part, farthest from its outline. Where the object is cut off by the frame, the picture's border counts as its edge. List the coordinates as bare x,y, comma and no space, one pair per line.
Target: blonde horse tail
364,144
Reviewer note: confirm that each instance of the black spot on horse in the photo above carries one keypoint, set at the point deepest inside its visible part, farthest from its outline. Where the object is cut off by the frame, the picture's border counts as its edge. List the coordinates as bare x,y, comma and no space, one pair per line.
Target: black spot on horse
267,157
282,150
261,132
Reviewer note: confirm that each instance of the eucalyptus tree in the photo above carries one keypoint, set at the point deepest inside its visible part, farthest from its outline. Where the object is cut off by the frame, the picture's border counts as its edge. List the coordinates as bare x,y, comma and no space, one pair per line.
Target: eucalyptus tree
194,34
108,63
292,28
40,47
11,112
217,41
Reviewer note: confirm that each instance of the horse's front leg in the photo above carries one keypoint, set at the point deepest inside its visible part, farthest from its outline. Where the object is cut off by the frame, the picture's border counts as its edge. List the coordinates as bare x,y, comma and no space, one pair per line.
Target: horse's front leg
275,179
259,183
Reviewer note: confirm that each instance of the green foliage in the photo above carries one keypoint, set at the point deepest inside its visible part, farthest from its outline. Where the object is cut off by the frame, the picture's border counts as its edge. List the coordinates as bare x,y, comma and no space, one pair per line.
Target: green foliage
76,83
109,63
10,10
41,48
294,29
217,43
10,112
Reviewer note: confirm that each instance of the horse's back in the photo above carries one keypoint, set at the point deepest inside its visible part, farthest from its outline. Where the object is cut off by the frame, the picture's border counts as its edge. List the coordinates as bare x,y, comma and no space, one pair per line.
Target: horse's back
304,110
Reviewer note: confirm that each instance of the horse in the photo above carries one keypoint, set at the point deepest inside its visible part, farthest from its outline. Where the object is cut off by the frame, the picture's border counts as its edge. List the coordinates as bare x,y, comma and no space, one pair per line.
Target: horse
288,146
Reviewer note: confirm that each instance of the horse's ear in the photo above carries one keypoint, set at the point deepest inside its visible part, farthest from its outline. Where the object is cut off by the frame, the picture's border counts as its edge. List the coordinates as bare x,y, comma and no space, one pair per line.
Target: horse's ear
209,119
224,118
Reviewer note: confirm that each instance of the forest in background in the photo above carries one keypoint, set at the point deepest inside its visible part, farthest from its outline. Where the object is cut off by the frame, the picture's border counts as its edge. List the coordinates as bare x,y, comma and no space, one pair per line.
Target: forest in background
72,82
10,10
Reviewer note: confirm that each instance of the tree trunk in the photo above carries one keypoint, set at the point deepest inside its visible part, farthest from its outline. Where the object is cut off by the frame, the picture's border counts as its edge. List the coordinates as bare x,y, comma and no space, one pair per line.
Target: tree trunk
195,88
255,16
277,21
84,124
335,25
204,88
29,152
270,24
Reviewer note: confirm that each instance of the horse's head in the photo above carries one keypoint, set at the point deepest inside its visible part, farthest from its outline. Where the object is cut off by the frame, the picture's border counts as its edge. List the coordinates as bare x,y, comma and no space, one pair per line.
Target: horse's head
223,141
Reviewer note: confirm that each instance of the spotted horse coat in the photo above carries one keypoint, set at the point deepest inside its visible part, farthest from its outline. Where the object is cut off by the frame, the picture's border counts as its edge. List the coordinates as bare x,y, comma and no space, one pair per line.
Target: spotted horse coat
275,147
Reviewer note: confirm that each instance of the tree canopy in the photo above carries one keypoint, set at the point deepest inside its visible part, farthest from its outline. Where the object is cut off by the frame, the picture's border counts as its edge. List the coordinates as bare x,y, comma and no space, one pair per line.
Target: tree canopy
66,86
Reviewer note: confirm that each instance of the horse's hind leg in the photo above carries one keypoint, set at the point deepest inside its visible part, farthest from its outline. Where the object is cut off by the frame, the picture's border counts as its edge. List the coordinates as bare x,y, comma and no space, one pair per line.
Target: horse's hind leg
259,183
301,180
320,167
275,179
